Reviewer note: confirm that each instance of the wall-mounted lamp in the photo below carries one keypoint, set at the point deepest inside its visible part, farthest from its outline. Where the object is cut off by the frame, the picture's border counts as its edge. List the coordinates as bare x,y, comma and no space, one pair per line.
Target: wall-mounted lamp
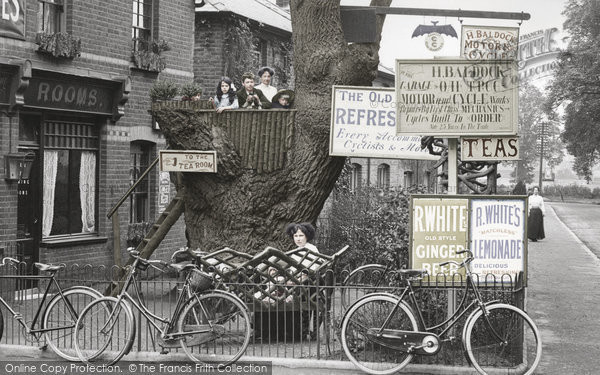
18,166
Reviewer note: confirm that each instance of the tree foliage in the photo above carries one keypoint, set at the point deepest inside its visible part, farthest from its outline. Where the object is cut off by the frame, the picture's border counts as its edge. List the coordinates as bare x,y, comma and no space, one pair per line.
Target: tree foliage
531,120
577,84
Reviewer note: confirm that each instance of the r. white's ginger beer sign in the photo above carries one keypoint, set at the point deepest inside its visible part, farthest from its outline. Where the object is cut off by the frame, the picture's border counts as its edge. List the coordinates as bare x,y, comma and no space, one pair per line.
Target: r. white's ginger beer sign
492,227
454,97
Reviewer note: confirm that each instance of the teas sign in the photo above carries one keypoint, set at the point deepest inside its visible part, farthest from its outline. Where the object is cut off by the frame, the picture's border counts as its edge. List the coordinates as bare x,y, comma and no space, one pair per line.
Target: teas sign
489,148
12,20
188,161
492,227
450,98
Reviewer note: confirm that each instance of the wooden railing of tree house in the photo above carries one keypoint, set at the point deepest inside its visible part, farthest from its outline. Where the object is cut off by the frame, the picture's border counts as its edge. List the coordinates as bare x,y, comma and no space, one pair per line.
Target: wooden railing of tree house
262,138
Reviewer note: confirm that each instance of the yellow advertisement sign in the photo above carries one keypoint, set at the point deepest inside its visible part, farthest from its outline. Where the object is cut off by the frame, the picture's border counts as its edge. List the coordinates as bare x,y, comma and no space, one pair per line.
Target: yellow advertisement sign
439,230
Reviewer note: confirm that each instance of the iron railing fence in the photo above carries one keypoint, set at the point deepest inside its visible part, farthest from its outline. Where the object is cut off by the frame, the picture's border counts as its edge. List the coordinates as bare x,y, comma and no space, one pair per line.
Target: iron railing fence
291,330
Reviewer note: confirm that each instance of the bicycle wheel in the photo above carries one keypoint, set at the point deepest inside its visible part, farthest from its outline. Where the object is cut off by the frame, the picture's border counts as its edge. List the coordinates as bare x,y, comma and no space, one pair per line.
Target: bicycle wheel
369,355
518,353
60,317
217,328
105,331
361,281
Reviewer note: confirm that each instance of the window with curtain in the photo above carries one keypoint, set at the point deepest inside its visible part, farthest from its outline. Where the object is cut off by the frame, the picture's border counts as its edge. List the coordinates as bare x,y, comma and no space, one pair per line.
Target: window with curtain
70,162
139,201
141,31
50,16
383,176
356,176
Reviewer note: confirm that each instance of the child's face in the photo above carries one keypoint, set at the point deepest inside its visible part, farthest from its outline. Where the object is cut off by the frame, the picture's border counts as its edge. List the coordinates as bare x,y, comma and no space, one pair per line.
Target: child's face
300,238
283,101
249,84
224,87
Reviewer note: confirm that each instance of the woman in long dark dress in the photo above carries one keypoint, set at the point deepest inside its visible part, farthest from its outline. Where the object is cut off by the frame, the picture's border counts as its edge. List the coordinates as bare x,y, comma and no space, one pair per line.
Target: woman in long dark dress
535,222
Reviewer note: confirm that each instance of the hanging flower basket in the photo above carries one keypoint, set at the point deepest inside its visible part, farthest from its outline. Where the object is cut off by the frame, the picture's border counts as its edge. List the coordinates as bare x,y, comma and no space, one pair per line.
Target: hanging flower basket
59,45
147,56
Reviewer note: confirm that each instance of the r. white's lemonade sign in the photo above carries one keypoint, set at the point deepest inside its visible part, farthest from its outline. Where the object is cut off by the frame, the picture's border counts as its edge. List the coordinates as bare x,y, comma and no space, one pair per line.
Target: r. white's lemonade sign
453,98
497,236
493,228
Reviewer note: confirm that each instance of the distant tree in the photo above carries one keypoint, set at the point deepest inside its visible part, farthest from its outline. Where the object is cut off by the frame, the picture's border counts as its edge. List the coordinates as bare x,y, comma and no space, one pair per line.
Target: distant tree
576,85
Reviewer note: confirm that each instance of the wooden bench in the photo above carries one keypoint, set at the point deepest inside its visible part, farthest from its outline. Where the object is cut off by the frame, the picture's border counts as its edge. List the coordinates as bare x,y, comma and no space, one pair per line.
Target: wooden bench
283,286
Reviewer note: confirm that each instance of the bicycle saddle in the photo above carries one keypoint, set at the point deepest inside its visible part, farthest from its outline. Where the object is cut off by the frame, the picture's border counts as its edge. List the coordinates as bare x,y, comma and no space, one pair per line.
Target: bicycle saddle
413,273
181,267
48,267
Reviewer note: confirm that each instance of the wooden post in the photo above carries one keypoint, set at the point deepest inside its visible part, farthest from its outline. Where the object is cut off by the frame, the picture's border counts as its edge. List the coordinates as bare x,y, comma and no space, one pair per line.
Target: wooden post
452,190
116,239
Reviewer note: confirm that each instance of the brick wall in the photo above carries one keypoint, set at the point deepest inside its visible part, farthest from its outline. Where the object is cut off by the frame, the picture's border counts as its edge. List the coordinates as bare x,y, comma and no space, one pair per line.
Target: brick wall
104,27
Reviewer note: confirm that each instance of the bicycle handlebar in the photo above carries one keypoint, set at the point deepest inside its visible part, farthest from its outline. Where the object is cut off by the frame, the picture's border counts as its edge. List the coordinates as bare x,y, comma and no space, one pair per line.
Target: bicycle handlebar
136,255
467,260
6,260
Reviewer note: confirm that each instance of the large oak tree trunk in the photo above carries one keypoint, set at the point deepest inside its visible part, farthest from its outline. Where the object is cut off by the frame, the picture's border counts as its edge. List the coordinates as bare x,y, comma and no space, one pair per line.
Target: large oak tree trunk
247,210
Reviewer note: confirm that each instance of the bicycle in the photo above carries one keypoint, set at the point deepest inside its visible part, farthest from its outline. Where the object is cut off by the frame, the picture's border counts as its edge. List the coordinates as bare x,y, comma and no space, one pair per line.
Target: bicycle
212,326
381,333
60,315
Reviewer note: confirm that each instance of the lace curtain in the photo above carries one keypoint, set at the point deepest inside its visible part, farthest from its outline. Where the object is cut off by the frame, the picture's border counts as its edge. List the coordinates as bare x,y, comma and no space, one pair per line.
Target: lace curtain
50,169
87,191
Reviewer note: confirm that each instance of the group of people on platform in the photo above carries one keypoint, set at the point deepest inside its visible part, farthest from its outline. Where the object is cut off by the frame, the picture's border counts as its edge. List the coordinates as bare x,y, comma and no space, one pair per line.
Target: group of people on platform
262,96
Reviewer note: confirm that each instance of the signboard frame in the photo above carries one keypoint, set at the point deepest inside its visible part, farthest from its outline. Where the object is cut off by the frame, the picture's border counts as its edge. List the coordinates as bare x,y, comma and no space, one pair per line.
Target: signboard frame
446,105
393,146
438,279
168,161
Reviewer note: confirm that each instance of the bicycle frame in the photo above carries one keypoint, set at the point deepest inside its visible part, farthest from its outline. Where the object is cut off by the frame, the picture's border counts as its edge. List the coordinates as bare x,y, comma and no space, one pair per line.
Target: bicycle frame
150,316
458,313
31,330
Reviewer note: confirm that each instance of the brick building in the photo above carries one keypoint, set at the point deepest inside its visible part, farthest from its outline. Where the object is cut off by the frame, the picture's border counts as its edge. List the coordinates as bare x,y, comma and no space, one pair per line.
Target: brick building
74,107
233,37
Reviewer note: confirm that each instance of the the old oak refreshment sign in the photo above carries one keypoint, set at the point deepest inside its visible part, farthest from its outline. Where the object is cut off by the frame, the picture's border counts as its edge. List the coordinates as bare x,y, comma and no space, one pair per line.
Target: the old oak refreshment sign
363,124
493,228
188,161
454,97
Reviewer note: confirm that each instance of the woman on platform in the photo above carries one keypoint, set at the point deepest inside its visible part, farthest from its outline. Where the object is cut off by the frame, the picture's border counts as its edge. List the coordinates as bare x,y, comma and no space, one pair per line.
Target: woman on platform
535,222
265,74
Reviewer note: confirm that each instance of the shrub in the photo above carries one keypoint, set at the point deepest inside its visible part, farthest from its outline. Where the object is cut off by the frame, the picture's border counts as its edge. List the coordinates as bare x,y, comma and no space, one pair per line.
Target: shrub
163,90
190,90
373,222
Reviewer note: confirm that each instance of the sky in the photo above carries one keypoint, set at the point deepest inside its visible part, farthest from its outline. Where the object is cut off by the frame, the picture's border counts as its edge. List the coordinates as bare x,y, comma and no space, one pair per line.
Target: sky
397,42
